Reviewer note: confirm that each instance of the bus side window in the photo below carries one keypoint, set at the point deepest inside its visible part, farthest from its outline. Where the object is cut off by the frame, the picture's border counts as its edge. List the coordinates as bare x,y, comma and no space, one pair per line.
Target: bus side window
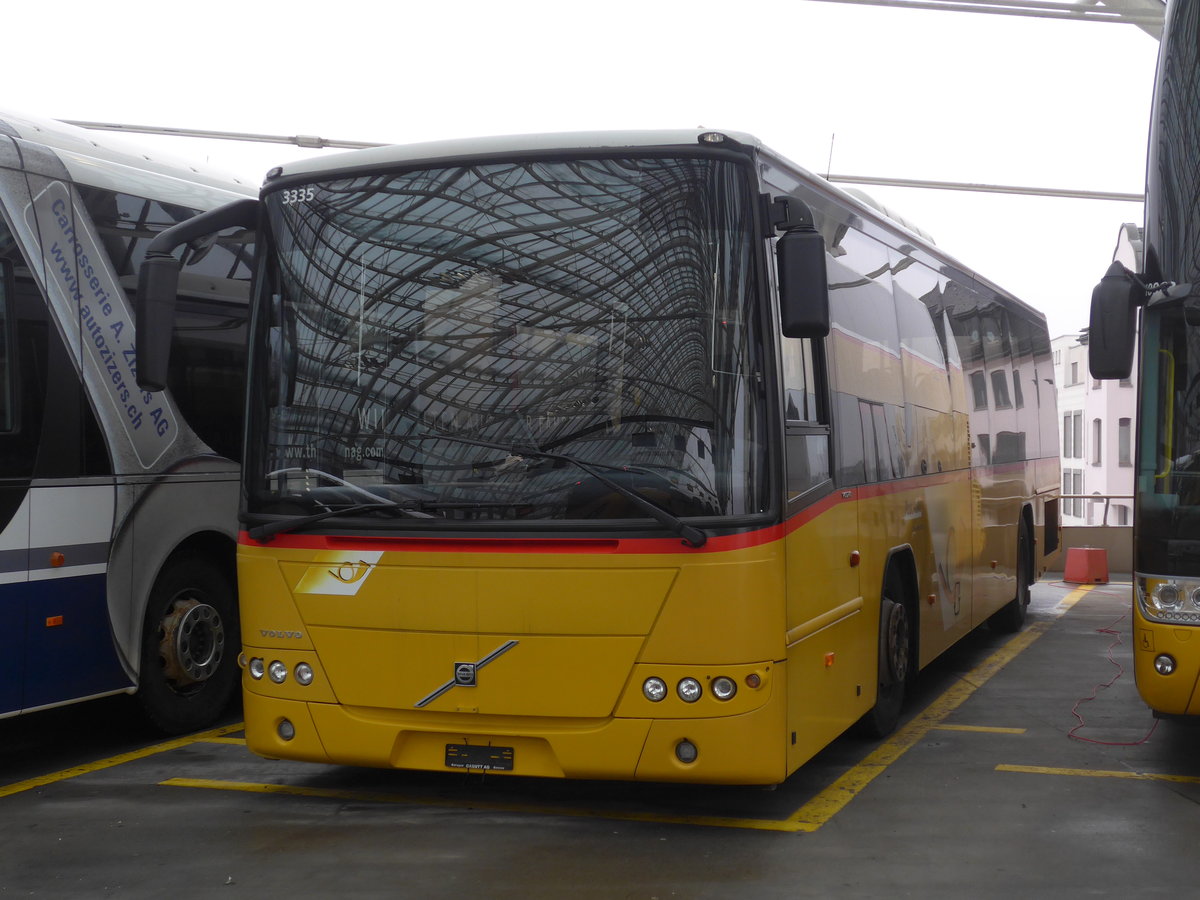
8,416
207,375
807,432
799,381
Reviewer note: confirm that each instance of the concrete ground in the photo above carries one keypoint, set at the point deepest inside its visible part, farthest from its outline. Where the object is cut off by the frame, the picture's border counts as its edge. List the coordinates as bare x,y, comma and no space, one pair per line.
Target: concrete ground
1007,780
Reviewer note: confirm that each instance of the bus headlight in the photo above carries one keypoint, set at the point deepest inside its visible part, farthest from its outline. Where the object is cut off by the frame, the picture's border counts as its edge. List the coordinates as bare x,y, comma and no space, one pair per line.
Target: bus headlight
689,690
724,688
1167,598
304,674
277,672
1172,600
654,689
256,668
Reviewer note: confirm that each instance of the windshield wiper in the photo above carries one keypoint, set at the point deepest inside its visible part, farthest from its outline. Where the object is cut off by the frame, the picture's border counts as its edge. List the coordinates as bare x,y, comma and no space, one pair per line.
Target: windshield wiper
692,536
263,533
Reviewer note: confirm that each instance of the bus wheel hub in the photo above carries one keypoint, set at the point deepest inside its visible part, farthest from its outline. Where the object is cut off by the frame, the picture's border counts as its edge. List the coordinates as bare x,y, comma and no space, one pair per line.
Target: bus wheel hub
193,641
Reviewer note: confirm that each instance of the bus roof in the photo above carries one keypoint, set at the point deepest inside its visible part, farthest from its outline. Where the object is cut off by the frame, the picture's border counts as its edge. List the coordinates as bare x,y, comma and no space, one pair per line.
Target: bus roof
101,161
599,141
468,148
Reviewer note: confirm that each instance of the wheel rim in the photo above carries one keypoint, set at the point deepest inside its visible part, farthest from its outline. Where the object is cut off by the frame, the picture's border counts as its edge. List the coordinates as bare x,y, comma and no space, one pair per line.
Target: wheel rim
193,641
897,643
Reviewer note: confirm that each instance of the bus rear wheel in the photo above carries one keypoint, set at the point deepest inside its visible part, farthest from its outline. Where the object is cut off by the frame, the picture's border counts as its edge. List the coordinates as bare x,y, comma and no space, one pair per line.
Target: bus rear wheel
189,646
1011,617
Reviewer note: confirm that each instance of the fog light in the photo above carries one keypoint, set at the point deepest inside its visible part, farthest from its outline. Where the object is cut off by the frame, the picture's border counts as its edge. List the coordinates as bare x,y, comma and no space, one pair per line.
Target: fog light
686,752
654,689
255,668
689,690
304,673
724,688
286,730
1164,664
277,672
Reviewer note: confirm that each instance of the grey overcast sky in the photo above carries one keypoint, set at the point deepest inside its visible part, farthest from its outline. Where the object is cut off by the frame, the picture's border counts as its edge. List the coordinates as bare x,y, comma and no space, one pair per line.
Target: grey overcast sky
891,92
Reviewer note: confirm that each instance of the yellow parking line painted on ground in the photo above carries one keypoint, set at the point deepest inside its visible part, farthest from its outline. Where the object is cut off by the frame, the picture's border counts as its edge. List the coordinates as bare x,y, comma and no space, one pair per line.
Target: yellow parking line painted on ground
75,771
819,810
1100,773
1075,596
808,818
982,729
475,803
235,741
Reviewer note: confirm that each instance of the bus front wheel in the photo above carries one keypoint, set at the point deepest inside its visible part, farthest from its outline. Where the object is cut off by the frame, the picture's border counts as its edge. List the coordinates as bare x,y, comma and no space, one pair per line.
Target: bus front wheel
189,646
895,661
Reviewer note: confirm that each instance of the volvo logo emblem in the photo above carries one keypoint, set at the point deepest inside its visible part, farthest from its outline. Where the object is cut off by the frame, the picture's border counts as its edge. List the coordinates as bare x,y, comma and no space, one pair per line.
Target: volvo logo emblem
466,674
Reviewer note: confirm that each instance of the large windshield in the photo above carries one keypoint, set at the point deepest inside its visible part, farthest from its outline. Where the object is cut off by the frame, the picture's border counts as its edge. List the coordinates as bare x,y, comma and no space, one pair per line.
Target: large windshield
512,341
1169,455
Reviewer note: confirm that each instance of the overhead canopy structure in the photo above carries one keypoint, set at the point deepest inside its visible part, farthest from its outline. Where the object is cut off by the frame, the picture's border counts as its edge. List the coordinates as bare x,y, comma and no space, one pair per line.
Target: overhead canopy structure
1145,14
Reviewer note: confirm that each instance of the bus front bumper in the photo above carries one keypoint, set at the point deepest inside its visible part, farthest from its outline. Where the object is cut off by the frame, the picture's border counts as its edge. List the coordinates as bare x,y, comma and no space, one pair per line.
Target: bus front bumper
740,749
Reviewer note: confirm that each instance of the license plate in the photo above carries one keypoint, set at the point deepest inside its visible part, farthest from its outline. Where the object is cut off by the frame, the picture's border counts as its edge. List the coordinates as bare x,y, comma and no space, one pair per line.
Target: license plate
477,756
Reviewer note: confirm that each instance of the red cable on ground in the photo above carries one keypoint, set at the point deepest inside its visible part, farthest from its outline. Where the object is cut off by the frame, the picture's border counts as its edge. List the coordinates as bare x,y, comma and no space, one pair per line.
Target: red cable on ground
1116,642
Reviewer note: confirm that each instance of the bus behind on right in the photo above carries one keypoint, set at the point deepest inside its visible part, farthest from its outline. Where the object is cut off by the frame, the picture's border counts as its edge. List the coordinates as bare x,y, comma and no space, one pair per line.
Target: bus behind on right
1165,295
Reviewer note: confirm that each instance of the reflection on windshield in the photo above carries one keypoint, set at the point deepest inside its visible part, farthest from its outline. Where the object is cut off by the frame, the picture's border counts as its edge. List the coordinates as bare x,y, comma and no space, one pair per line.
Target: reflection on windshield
1169,458
428,325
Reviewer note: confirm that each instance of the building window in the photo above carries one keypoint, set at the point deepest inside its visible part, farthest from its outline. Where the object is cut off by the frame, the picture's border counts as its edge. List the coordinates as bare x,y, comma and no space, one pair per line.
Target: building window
1074,373
1097,430
979,389
1122,515
1124,456
1073,435
1073,485
1000,390
1017,397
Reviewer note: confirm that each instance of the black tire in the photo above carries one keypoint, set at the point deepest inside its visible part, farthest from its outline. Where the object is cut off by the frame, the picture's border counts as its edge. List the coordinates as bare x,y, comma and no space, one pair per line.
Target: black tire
190,644
896,663
1010,618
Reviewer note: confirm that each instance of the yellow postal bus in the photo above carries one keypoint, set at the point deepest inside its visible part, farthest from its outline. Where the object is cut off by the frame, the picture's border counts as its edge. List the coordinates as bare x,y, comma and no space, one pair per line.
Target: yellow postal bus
628,456
1166,442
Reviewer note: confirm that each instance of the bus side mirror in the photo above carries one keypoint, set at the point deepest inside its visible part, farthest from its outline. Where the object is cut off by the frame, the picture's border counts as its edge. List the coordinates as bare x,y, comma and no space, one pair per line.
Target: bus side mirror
1111,333
158,285
803,289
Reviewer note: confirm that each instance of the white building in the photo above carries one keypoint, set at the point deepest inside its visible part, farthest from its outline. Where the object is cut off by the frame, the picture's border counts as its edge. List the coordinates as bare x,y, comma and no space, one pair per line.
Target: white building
1095,438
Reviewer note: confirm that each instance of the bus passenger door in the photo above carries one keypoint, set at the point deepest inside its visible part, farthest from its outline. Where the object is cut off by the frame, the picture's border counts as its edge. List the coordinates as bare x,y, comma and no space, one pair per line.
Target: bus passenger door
824,599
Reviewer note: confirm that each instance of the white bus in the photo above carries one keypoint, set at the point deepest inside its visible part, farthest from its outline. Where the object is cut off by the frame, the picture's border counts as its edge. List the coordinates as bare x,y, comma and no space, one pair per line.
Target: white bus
117,507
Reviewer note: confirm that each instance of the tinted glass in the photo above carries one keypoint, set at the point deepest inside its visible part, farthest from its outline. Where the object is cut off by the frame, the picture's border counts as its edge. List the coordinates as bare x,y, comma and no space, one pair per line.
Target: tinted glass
455,339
